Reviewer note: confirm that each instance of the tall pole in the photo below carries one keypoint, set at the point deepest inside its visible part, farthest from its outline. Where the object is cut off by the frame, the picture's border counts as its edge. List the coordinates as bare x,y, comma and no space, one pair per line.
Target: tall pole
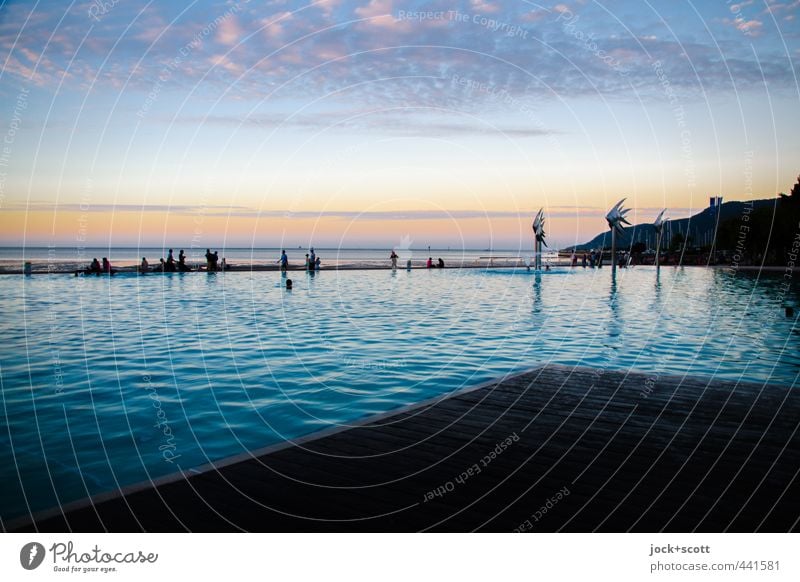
613,250
658,226
538,239
658,250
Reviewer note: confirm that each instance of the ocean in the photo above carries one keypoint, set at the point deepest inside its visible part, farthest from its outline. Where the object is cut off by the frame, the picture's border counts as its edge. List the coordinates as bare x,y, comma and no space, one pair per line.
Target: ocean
71,258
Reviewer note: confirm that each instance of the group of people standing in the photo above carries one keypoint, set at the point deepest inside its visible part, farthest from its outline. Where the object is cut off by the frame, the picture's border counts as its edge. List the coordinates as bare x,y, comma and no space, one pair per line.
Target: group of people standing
312,263
394,256
171,265
428,264
592,259
595,259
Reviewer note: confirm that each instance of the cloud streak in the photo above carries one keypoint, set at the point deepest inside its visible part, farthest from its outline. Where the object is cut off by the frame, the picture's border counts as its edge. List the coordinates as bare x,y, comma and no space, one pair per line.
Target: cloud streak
366,122
389,215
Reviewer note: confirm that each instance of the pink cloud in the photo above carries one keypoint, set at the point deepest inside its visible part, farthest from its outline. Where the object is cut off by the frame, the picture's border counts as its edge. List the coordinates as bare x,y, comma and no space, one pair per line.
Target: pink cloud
379,13
273,27
224,62
375,8
291,55
327,6
533,15
151,27
229,31
12,65
776,7
387,22
750,26
29,54
327,51
484,6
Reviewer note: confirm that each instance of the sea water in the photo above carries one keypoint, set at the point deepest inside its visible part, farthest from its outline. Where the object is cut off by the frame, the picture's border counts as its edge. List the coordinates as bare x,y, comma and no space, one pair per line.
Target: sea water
109,381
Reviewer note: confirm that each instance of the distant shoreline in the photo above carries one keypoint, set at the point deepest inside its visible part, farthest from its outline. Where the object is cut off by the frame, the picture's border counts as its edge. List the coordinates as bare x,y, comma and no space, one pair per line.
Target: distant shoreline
495,264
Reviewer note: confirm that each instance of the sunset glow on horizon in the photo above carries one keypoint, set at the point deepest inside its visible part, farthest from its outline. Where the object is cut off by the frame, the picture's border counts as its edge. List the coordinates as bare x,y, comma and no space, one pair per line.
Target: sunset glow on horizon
361,124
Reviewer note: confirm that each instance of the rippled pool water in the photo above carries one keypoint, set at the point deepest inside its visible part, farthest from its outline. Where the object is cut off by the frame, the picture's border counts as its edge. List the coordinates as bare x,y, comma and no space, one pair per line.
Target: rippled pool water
112,381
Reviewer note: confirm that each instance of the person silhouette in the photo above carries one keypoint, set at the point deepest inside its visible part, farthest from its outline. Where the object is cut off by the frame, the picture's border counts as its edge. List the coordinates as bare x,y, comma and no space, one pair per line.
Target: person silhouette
170,261
182,266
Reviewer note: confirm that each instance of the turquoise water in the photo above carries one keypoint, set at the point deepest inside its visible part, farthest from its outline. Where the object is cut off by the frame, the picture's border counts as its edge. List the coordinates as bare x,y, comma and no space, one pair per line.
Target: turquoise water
112,381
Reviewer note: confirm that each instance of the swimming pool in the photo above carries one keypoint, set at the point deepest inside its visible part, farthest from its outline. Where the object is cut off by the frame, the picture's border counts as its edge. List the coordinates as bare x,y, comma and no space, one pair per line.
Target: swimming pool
112,381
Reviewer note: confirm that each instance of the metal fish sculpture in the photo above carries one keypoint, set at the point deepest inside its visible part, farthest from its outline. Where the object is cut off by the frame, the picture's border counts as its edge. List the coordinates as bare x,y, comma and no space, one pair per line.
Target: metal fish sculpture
538,227
616,217
658,223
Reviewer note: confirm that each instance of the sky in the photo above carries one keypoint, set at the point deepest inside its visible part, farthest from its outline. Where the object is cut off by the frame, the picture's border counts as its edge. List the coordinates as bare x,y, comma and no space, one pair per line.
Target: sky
383,122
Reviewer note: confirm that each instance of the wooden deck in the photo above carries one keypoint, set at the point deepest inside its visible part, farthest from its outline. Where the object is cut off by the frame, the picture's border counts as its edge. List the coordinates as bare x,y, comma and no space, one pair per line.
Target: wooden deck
553,449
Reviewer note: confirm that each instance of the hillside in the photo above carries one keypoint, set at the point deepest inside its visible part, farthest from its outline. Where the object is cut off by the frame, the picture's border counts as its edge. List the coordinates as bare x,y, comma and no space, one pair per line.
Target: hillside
700,227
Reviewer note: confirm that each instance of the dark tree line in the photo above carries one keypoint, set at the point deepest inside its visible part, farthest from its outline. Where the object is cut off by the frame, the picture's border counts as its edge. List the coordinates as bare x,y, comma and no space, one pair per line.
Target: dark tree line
765,233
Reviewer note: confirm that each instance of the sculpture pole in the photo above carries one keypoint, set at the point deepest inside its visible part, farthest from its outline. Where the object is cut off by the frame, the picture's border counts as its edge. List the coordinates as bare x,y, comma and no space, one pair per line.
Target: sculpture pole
613,251
535,227
658,250
658,225
538,240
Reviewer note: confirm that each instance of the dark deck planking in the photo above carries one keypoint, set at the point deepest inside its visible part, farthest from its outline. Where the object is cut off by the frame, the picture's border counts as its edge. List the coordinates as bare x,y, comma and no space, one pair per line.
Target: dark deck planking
692,456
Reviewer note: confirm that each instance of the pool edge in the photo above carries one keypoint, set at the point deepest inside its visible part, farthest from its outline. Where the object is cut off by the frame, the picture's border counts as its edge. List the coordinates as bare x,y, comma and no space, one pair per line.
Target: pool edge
21,522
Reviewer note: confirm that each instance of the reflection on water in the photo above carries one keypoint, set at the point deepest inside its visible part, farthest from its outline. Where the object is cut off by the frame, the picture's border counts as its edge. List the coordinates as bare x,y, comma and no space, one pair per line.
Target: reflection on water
537,293
106,382
614,316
